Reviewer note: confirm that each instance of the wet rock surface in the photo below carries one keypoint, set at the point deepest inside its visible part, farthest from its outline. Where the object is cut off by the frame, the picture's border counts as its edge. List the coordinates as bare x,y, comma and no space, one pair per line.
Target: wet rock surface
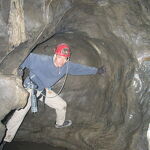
109,112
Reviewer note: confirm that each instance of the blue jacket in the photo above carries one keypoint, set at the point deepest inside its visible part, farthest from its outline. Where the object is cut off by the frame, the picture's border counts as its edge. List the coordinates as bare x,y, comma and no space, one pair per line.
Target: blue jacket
45,74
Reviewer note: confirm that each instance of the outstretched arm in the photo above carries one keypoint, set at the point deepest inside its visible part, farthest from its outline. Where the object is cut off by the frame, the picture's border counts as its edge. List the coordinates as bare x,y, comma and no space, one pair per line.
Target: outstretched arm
78,69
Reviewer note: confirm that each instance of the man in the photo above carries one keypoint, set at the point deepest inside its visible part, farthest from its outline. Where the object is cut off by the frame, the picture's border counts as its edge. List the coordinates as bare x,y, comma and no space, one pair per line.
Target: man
45,71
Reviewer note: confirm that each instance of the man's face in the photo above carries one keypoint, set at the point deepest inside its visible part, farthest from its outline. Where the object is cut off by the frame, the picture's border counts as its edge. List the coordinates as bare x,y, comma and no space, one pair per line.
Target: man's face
59,61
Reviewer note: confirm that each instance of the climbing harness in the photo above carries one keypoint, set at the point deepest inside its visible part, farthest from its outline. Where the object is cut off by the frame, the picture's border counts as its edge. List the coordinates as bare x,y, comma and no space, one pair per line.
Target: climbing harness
65,78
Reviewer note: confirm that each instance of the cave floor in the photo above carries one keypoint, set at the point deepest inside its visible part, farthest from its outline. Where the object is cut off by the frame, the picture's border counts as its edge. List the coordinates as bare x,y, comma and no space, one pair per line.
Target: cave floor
18,145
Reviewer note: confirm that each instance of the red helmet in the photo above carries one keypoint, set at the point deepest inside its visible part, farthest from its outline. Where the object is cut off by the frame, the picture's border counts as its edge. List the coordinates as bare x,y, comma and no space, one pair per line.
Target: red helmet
63,50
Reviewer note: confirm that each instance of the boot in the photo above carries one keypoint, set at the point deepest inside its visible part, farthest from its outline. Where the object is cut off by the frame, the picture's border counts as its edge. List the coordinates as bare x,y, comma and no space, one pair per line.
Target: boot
67,123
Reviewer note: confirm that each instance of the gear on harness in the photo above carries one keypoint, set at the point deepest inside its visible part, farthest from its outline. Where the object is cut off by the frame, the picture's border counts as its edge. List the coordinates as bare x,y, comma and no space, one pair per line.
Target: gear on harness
34,106
42,94
34,99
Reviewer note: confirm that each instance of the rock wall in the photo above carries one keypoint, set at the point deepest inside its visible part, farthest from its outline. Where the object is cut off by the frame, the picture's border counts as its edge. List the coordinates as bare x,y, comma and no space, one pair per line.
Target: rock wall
108,112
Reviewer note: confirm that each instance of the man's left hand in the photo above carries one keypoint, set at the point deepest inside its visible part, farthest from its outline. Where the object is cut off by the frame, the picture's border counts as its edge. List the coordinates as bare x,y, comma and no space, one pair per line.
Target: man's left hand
101,70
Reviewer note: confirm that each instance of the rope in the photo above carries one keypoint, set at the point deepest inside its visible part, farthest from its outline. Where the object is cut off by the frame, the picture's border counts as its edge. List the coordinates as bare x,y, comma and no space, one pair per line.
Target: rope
66,75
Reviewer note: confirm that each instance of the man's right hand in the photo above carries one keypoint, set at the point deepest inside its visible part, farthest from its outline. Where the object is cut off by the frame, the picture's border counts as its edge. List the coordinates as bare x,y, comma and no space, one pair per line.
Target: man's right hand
20,72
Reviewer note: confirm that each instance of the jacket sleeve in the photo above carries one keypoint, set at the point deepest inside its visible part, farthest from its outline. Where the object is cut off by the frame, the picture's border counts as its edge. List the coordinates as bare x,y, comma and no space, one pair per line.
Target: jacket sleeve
26,63
78,69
